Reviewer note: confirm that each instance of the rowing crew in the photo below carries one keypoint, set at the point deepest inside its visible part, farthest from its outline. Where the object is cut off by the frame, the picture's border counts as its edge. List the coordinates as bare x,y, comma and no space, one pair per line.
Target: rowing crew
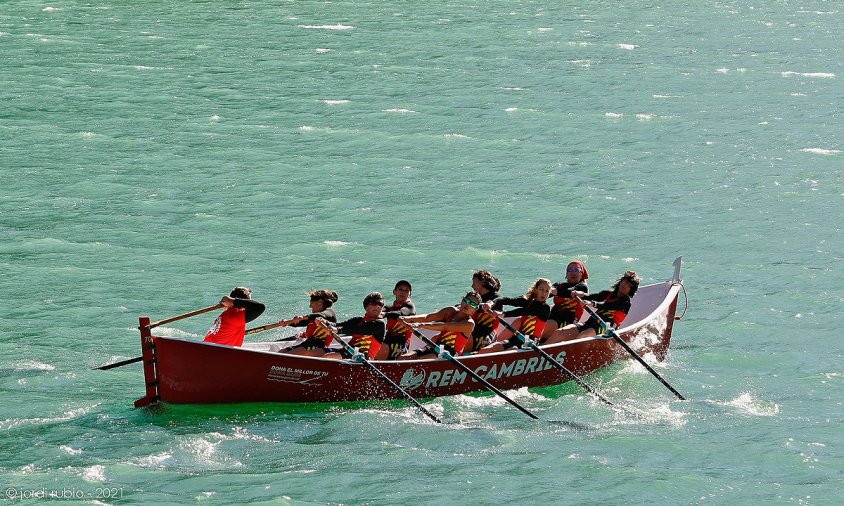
471,326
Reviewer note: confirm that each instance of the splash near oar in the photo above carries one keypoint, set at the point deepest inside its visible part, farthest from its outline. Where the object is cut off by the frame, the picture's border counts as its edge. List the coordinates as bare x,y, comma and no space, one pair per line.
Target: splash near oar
440,351
532,345
358,357
630,350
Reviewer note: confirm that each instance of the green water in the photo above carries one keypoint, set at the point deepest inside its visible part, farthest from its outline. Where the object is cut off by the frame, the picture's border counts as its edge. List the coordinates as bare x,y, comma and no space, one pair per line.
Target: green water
156,154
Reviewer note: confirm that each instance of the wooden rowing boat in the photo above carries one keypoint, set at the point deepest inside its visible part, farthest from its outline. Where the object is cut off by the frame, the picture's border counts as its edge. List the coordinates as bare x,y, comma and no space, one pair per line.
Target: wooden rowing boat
182,371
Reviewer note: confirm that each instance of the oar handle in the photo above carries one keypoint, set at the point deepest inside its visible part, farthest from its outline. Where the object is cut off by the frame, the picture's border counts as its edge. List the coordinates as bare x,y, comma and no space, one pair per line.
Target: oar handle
463,367
555,363
630,350
186,315
348,347
280,323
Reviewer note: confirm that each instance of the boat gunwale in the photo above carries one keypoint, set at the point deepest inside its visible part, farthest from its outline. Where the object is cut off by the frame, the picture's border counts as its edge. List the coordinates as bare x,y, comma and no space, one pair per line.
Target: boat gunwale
641,322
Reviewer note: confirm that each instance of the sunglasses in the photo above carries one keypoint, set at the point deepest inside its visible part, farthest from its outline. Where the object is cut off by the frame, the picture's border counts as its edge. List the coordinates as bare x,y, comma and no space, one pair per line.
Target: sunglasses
470,302
573,269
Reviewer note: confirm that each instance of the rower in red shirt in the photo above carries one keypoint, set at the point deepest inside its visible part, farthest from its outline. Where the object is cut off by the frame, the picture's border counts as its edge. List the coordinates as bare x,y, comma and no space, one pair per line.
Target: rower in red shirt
230,327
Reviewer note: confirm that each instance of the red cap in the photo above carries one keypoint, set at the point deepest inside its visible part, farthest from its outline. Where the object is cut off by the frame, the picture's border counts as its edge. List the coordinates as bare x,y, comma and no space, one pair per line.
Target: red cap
578,263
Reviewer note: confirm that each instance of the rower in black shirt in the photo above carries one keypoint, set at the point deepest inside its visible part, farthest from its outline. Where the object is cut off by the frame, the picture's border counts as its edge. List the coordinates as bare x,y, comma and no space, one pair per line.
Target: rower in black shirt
317,338
533,310
367,331
486,323
567,309
397,339
611,305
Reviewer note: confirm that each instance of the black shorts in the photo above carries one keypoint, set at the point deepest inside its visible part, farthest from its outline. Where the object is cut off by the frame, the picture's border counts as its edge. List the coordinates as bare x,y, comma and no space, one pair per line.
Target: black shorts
395,348
591,323
562,316
513,342
426,350
308,344
479,342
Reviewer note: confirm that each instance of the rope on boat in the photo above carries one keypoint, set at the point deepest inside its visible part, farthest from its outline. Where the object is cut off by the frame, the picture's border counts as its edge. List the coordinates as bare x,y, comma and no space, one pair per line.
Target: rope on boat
686,296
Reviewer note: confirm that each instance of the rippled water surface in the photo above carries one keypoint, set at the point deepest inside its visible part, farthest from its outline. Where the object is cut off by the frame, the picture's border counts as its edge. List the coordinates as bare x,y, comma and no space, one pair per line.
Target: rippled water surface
155,154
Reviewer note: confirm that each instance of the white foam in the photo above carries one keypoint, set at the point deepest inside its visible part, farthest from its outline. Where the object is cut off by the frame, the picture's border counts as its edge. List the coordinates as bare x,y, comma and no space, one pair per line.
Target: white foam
335,102
154,461
337,243
94,473
628,47
821,151
403,111
322,50
66,416
822,75
173,332
69,450
204,453
614,114
457,136
32,365
326,27
747,404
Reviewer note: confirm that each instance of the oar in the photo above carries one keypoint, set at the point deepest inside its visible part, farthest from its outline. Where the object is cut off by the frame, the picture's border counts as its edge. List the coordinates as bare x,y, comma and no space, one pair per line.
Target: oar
463,367
118,364
186,315
262,328
630,350
531,344
357,356
157,324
